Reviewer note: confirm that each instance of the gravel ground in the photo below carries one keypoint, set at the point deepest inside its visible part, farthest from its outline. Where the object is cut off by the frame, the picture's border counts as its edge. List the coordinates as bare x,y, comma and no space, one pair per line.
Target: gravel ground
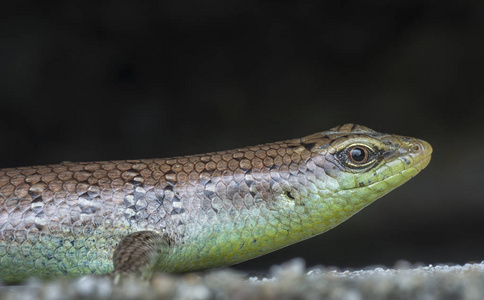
287,281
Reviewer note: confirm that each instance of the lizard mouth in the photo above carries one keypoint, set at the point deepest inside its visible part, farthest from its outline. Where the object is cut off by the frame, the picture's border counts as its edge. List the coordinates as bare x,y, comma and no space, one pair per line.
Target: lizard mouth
423,153
420,153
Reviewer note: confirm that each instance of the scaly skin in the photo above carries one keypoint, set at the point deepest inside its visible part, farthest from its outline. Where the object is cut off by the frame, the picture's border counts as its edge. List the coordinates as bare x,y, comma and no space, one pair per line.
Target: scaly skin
194,212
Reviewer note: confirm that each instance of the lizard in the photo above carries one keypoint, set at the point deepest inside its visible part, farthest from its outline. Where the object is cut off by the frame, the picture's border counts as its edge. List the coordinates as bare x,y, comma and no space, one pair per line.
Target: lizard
195,212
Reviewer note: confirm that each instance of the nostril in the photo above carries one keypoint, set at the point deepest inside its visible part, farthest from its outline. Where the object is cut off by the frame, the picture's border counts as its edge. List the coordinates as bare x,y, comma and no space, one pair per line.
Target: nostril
414,147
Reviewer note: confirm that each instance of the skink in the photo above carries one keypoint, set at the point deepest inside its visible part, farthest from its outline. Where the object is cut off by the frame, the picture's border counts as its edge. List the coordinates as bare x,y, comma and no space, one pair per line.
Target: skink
195,212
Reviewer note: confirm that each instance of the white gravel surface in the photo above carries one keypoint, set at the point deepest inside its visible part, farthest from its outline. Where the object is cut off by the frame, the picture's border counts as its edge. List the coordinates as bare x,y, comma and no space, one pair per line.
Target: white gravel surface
287,281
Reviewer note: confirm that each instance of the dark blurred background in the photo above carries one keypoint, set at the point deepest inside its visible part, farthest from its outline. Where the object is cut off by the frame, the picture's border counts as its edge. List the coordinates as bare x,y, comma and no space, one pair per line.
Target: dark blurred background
105,80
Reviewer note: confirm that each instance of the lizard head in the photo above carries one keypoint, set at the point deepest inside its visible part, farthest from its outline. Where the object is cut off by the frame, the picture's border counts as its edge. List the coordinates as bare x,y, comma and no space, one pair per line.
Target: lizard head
354,165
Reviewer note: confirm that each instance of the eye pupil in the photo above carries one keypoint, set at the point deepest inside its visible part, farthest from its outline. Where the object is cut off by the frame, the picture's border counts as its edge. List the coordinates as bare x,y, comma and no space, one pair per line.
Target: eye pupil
357,154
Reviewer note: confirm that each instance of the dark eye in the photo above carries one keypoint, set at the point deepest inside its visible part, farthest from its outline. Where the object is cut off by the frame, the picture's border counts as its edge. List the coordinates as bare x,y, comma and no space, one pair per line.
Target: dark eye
358,155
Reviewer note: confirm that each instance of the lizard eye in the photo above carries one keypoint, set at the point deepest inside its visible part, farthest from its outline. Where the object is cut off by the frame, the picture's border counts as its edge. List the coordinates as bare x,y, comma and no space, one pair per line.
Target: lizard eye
358,155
